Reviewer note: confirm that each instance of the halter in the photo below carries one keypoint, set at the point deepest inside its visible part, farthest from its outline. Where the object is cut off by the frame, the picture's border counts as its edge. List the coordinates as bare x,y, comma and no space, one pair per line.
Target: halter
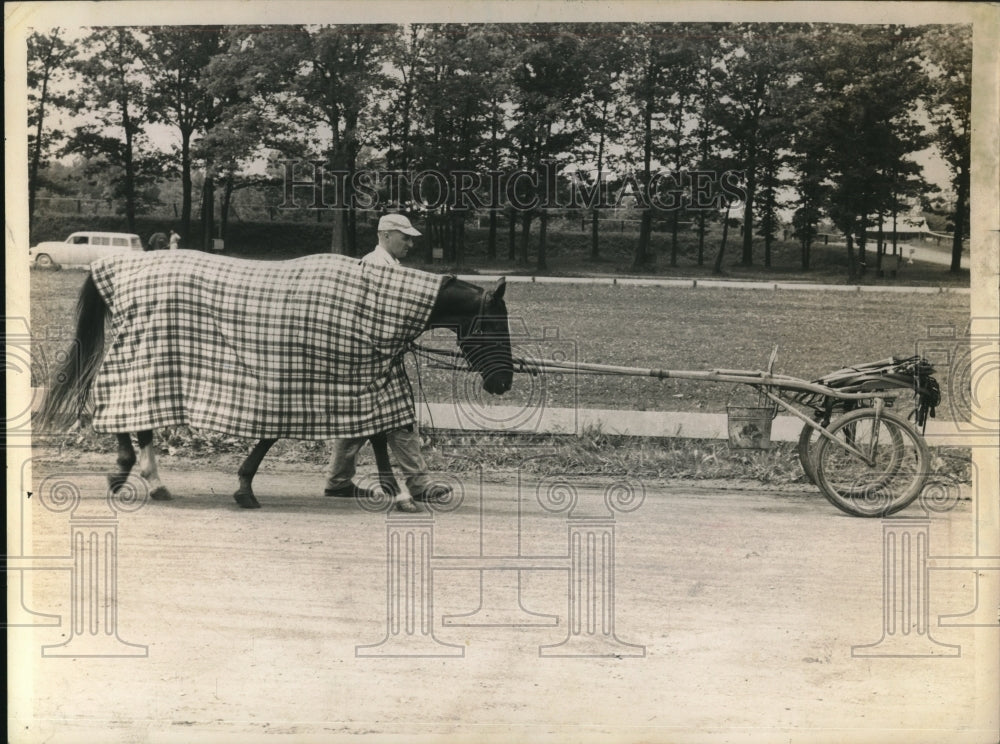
476,324
449,358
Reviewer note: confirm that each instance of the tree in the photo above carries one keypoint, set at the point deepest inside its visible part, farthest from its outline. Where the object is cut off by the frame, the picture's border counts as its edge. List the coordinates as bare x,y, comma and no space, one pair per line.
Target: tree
500,45
600,114
708,83
48,58
948,55
337,85
755,61
655,49
175,59
643,89
861,86
114,91
248,113
406,54
547,82
456,134
678,149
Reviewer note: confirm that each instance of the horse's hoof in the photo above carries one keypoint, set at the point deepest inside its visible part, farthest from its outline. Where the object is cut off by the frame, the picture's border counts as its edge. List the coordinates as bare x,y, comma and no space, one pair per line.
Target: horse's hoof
160,494
408,506
246,500
116,481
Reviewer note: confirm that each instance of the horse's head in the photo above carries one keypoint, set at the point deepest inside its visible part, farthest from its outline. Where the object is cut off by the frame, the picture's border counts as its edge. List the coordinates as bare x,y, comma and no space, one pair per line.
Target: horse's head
484,338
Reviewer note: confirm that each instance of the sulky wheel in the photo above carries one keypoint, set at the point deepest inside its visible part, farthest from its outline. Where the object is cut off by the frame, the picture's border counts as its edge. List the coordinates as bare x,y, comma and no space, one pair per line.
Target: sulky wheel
885,471
807,451
808,447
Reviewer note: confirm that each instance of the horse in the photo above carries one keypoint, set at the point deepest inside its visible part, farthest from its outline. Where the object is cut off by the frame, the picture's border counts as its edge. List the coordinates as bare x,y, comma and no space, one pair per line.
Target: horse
479,319
476,315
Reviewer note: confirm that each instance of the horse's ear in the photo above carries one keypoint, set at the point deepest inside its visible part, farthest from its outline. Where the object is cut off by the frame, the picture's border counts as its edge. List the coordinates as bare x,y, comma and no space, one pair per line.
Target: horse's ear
498,289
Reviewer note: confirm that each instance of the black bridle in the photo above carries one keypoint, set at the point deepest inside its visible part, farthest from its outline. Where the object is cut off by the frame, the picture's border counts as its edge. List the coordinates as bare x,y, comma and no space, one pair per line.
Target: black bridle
450,359
477,333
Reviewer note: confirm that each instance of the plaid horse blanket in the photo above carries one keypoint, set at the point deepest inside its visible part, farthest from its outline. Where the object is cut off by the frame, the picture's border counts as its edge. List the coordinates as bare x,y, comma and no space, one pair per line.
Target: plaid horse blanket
304,349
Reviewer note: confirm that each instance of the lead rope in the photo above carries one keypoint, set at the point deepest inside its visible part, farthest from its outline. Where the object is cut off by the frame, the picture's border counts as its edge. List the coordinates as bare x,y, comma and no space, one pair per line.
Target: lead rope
412,348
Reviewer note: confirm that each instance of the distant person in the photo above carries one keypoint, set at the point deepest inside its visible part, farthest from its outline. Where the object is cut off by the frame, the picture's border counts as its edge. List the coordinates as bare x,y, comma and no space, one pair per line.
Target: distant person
175,240
157,241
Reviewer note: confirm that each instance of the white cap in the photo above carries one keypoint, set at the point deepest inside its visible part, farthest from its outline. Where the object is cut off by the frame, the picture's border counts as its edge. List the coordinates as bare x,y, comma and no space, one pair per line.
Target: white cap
397,222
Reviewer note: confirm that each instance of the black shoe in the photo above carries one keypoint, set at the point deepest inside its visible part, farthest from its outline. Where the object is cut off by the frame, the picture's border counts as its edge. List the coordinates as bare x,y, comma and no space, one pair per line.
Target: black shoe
349,491
436,494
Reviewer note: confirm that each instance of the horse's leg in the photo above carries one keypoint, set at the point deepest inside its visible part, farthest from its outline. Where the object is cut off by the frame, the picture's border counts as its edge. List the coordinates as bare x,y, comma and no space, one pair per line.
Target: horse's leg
386,478
148,469
125,461
244,495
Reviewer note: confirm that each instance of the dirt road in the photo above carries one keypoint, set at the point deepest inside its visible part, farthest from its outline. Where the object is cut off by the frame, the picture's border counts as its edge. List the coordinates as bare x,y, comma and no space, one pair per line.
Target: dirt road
720,613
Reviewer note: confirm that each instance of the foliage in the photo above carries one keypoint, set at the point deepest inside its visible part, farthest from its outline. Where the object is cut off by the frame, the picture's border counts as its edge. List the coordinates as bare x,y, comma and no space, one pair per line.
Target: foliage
853,96
49,57
948,61
819,118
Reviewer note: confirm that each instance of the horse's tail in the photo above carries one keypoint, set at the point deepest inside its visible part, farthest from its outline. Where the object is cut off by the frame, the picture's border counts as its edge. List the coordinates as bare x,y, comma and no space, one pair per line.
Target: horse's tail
68,388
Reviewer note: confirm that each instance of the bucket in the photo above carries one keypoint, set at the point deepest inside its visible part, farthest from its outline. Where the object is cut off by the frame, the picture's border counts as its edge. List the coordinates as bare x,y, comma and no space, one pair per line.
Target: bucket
750,426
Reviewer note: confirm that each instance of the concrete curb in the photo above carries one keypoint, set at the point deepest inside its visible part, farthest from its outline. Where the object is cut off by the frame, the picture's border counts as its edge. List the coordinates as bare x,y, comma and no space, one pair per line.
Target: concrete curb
661,424
713,284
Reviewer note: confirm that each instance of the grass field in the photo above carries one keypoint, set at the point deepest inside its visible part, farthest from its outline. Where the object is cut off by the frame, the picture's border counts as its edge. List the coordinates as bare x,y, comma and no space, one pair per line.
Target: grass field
816,332
699,329
568,250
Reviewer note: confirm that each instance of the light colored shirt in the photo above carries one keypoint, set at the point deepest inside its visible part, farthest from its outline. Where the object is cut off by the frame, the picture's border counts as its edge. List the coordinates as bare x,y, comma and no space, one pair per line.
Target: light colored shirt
380,257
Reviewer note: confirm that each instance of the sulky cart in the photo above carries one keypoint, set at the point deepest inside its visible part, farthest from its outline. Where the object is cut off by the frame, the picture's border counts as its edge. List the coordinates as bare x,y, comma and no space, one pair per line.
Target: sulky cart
858,445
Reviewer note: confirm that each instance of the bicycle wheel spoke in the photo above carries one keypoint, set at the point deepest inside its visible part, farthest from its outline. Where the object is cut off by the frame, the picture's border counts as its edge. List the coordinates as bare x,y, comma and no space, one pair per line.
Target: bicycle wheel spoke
889,475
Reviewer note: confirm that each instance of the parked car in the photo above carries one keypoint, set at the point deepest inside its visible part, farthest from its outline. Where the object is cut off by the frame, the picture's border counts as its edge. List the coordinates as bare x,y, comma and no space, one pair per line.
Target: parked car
81,248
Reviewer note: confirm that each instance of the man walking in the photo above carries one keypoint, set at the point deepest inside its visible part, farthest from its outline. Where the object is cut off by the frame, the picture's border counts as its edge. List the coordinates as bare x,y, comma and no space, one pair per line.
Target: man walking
395,238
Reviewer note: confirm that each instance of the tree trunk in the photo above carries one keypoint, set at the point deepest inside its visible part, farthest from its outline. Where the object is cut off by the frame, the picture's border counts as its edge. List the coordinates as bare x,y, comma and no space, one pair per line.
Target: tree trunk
207,212
227,200
595,247
852,266
701,239
511,234
862,248
352,231
459,220
879,245
187,188
337,242
717,268
595,251
491,241
525,234
36,155
747,259
129,177
673,238
956,243
642,251
895,234
428,239
769,227
642,246
543,225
